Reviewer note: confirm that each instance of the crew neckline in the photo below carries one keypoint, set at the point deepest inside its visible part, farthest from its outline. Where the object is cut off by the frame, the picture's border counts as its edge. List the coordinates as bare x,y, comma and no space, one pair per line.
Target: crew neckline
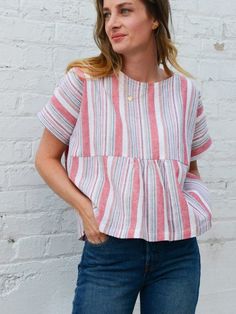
147,83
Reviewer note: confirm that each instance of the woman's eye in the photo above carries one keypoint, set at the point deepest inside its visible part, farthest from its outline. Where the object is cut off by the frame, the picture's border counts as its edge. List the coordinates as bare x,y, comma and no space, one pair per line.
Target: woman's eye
106,15
125,10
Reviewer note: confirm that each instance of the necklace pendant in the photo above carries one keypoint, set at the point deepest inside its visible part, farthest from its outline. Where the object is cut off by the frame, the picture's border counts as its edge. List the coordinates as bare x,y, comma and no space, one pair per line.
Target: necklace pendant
130,98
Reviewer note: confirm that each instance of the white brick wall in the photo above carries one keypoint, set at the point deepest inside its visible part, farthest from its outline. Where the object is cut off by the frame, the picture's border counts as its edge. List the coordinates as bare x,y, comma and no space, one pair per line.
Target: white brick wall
39,251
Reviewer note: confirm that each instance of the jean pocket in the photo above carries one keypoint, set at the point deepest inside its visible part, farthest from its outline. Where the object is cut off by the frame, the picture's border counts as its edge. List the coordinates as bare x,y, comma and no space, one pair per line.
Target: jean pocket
98,244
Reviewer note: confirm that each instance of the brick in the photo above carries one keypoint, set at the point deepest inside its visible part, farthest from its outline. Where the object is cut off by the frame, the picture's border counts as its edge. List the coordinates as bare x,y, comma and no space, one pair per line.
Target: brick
21,128
22,225
44,199
12,201
32,247
7,249
62,244
18,29
15,152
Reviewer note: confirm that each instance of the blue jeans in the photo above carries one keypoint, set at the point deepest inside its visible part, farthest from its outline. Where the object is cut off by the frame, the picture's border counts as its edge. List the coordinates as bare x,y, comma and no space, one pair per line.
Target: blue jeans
111,274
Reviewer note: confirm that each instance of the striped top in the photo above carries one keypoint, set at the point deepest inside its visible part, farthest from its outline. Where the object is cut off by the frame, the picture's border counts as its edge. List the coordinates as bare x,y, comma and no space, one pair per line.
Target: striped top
130,144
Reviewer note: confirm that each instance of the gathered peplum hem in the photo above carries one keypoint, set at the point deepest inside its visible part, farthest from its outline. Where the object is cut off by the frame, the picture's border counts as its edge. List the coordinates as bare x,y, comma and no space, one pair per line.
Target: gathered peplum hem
155,200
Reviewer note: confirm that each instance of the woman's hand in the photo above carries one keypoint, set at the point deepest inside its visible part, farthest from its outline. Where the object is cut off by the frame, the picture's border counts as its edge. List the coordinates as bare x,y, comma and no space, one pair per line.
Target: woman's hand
91,228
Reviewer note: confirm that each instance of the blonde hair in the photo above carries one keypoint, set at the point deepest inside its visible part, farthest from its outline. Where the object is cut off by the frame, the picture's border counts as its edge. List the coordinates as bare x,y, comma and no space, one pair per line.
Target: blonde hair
109,62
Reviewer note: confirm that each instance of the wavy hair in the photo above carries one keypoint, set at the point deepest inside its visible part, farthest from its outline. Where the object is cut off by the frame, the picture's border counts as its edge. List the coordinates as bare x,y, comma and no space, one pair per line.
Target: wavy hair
109,62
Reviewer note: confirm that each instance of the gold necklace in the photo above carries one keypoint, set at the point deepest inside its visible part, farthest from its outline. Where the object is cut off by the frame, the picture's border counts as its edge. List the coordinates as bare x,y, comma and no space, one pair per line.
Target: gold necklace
127,78
130,97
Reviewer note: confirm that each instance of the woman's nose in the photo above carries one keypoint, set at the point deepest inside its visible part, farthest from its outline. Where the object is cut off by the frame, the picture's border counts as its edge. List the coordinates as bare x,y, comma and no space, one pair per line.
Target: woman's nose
114,21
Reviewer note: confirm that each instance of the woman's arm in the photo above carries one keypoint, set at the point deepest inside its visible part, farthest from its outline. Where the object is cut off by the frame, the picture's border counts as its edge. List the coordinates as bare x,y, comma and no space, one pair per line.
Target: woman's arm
48,164
193,168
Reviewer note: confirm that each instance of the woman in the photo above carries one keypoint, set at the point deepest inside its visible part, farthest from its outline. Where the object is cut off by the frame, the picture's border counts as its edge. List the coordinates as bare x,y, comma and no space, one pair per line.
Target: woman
132,131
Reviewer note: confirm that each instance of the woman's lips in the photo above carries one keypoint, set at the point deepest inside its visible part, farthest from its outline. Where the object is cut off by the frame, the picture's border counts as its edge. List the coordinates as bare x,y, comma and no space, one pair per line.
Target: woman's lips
118,37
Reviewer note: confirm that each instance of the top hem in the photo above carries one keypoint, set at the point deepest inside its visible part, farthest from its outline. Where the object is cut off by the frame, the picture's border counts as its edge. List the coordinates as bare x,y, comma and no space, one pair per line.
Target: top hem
166,237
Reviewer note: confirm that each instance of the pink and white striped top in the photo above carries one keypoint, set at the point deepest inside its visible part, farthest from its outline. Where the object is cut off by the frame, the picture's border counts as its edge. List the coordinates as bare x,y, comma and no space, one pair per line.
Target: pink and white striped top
130,155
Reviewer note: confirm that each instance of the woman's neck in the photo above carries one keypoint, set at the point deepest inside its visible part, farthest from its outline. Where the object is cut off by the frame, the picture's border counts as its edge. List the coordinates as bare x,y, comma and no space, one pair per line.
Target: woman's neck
144,71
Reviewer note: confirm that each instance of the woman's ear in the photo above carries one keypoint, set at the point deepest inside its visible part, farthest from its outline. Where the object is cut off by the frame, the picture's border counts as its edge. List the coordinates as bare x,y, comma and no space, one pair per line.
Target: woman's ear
155,24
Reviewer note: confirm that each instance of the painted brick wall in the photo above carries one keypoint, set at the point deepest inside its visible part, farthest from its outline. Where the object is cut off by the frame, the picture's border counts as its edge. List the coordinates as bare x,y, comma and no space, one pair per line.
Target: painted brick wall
39,250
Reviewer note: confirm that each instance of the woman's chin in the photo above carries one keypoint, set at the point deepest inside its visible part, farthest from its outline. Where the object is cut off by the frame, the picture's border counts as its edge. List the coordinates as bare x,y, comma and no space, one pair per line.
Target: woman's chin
122,52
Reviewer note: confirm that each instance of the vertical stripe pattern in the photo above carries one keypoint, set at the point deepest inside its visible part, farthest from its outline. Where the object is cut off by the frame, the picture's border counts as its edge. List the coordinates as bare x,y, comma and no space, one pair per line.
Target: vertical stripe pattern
130,145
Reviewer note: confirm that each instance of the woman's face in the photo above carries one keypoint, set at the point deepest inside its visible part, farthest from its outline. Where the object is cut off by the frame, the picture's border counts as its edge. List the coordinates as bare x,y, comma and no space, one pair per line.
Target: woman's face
128,26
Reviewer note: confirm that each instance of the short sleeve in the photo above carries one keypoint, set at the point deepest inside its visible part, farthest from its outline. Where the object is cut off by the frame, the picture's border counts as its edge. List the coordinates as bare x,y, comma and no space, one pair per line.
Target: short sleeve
201,137
60,113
